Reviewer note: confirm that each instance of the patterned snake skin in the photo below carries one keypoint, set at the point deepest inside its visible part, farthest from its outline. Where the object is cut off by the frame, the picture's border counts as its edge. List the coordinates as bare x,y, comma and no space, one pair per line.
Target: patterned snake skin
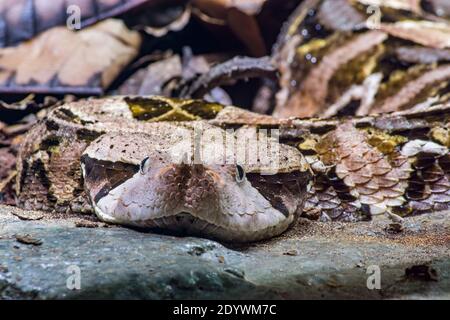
396,164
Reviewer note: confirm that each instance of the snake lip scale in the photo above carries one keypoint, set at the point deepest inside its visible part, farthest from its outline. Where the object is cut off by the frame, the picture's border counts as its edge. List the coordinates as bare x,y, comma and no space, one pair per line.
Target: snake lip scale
115,157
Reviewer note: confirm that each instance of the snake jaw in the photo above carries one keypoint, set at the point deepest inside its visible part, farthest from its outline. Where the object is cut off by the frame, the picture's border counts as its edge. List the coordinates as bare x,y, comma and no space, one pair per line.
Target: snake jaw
201,199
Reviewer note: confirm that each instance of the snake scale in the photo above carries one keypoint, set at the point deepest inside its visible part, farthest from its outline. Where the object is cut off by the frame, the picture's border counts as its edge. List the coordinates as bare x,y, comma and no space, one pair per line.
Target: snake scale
174,164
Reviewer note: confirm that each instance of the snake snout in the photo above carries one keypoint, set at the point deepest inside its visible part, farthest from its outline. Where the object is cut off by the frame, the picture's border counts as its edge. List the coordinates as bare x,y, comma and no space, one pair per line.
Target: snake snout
201,190
226,201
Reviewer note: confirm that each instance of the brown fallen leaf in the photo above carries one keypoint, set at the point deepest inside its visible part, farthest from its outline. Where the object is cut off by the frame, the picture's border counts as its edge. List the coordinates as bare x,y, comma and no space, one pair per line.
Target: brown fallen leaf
12,112
401,100
28,215
24,19
292,252
28,239
152,80
60,60
170,75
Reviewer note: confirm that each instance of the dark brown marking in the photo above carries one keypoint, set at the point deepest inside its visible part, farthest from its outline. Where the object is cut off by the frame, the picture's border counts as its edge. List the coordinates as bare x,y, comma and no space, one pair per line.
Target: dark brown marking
273,187
103,176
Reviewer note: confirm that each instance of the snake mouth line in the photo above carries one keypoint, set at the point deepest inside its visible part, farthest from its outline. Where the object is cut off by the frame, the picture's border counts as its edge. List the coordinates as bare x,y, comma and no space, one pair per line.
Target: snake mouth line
182,223
186,224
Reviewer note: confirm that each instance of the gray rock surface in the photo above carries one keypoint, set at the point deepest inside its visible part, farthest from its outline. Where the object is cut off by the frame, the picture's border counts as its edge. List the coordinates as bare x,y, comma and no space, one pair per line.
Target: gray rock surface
312,260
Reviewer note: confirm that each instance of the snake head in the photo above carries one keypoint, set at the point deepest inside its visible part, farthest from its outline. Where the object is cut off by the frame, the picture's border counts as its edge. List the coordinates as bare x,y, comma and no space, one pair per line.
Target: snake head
136,180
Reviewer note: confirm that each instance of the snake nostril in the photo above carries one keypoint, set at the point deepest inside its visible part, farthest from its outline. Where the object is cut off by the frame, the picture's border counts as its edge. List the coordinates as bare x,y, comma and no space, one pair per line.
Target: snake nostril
144,165
240,173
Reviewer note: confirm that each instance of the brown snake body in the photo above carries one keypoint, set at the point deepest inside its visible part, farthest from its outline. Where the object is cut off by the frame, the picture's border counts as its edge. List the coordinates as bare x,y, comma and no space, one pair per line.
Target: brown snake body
176,164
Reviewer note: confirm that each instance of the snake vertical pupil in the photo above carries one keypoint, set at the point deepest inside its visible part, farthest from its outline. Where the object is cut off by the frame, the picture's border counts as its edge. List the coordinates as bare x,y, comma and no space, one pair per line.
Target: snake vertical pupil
142,165
240,173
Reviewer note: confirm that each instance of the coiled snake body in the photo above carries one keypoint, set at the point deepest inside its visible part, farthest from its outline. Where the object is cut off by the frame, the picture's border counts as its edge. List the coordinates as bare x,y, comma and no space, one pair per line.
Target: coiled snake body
177,164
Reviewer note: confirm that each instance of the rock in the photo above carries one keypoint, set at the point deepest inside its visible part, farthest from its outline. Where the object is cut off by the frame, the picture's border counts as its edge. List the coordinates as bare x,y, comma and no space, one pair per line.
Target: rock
123,263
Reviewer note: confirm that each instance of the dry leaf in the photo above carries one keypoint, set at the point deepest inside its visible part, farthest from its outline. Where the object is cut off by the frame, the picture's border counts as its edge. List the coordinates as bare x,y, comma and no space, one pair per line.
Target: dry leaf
440,8
422,55
152,80
170,75
60,60
292,252
28,239
28,215
24,19
159,21
239,16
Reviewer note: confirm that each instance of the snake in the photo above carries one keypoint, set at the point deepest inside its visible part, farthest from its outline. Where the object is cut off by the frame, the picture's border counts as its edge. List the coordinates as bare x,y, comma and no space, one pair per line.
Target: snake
204,169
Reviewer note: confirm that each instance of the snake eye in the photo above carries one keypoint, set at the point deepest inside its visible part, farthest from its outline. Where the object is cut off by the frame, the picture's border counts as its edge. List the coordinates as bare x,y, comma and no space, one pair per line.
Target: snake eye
240,173
143,167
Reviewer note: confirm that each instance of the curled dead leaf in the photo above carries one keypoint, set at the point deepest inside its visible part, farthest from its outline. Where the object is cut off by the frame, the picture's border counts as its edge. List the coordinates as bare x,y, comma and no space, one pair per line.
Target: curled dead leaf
28,239
152,80
440,8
